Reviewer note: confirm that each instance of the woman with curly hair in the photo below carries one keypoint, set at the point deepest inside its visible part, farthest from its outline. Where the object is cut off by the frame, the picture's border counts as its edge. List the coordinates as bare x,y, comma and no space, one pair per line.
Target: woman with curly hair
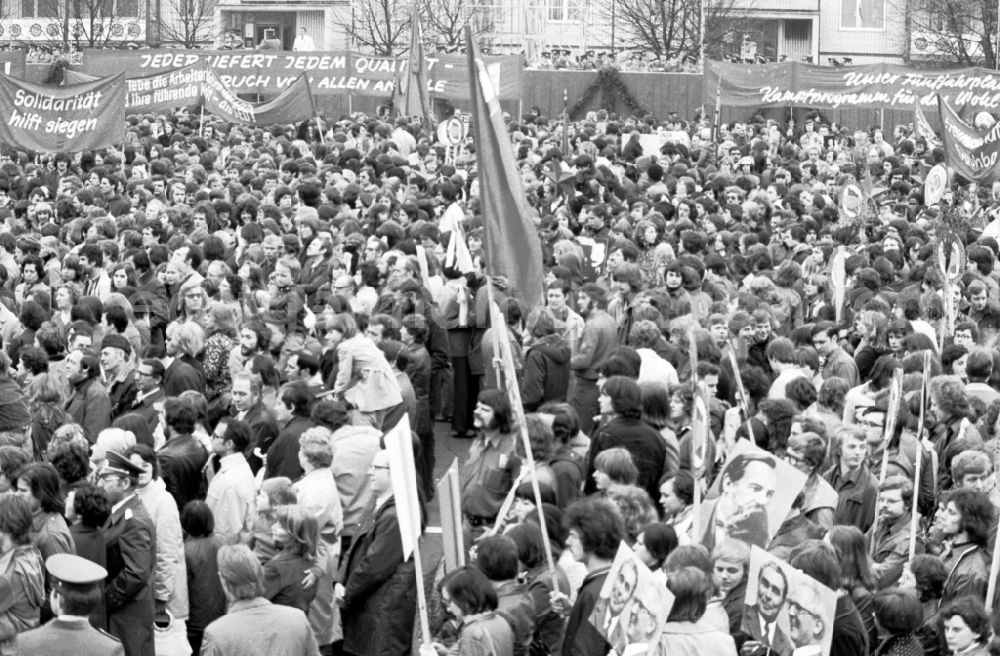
46,398
873,327
221,339
654,252
634,505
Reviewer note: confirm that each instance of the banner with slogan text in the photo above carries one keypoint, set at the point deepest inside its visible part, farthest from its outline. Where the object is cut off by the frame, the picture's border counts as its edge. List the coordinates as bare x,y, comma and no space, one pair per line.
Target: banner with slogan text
68,119
336,72
971,152
875,86
292,105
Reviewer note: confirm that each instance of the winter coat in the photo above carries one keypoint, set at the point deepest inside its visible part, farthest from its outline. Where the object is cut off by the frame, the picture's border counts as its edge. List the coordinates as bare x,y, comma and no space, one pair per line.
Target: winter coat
546,372
380,588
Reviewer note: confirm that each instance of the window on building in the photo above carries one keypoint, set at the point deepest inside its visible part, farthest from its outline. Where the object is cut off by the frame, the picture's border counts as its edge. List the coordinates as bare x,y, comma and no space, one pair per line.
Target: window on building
569,11
862,14
127,8
40,8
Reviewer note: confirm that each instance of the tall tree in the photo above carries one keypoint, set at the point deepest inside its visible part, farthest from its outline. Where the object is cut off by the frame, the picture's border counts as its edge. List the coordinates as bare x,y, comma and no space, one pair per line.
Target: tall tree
952,32
671,29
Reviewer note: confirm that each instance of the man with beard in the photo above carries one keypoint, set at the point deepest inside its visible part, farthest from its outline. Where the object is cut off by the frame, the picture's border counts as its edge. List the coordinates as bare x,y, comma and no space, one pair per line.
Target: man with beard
92,263
246,401
253,341
740,511
492,466
760,620
596,341
892,539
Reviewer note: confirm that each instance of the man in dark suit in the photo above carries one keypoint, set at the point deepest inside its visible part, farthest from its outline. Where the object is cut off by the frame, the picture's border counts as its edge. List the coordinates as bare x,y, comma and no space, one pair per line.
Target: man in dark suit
75,594
760,620
247,406
129,534
149,377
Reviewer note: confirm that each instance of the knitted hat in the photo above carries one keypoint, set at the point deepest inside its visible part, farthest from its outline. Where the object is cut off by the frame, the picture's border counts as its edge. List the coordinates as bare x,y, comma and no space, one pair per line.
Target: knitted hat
739,321
117,341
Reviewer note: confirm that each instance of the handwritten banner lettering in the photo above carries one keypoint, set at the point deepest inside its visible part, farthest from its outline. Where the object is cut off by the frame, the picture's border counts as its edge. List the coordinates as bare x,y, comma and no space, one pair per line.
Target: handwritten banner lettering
62,119
875,86
329,72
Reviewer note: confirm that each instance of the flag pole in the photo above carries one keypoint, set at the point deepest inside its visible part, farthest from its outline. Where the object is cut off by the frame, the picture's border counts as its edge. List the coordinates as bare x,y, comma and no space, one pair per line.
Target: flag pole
895,398
920,457
502,347
201,121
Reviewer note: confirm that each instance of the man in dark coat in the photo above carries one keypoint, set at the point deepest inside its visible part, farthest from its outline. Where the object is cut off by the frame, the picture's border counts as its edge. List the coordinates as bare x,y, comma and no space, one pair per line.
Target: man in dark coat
294,408
380,586
130,536
182,458
121,382
247,406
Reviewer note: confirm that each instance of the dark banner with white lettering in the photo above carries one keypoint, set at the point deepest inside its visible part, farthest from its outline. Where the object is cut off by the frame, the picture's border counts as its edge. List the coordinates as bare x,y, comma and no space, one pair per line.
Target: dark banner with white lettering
292,105
69,119
341,72
971,152
876,86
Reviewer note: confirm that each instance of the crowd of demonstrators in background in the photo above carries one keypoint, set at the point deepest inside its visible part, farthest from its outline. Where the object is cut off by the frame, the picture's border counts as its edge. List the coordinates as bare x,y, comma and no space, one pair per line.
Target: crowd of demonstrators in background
207,331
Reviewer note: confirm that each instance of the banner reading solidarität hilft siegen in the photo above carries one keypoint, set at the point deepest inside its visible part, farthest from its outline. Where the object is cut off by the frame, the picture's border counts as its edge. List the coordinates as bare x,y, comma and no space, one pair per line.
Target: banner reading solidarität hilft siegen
47,119
876,86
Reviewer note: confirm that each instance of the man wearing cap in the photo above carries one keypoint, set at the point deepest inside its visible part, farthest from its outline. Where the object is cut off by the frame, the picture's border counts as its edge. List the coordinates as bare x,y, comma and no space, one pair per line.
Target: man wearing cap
119,378
131,551
76,592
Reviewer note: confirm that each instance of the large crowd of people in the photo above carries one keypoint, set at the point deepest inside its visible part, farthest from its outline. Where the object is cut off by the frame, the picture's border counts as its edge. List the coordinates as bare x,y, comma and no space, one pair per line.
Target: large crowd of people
207,331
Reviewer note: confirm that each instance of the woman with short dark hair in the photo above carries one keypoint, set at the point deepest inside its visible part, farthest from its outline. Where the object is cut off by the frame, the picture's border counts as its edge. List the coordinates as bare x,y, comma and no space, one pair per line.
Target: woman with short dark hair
683,634
966,627
469,597
898,615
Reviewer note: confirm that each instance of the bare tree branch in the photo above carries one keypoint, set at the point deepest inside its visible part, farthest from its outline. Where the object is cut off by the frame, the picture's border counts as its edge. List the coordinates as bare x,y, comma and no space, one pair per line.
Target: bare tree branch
952,32
381,26
444,21
192,24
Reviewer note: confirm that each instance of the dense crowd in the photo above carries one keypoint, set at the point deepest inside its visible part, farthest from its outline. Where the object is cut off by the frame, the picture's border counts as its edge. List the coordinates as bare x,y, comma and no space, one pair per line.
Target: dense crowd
207,332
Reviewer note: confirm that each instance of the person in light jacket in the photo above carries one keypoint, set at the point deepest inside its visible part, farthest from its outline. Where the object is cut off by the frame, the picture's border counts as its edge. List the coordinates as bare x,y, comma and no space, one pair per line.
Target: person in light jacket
170,572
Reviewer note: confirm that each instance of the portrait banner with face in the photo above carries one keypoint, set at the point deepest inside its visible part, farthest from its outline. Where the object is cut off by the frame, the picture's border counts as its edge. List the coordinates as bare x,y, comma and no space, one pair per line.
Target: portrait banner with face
786,610
745,502
633,604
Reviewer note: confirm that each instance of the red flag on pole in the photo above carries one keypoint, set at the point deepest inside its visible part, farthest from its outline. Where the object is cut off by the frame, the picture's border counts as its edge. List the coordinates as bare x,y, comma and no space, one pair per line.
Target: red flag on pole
511,241
410,96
